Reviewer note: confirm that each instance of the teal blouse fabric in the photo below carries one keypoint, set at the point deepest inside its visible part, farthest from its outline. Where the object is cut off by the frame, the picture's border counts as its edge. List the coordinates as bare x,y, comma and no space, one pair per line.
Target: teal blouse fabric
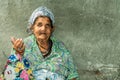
59,61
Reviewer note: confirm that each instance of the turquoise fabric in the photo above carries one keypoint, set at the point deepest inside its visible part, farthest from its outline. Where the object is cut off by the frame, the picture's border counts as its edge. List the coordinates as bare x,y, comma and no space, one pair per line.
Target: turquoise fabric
59,61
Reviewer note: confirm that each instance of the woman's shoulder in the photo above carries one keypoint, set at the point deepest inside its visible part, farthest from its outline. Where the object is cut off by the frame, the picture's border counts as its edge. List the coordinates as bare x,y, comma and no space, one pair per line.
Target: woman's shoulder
59,45
29,41
29,38
57,42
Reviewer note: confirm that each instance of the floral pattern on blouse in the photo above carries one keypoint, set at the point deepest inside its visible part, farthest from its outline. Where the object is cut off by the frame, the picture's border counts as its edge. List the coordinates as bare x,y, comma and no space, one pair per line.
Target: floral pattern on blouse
17,68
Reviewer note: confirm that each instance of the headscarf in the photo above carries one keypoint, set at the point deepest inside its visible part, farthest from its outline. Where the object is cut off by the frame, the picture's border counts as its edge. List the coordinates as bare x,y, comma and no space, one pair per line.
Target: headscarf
41,11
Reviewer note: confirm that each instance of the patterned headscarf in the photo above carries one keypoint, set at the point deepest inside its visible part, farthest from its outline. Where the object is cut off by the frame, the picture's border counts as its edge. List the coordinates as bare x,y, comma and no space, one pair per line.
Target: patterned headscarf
41,11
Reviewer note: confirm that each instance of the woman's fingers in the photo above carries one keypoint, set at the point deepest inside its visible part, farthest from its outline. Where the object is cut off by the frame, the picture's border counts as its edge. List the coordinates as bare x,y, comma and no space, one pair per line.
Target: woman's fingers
21,44
13,40
18,45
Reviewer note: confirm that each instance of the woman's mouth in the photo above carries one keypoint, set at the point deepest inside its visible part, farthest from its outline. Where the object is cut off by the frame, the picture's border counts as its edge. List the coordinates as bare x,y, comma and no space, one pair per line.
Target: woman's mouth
42,33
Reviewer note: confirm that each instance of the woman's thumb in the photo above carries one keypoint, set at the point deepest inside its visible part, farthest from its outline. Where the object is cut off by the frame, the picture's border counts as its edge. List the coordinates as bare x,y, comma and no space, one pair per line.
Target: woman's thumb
12,40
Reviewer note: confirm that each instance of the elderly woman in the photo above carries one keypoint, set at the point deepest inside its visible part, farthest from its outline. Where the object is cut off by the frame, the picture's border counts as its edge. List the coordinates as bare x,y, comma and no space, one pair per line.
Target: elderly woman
47,57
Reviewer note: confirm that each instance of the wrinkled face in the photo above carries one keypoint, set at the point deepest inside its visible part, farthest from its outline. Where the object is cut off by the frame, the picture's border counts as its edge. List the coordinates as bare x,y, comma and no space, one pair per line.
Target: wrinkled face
42,28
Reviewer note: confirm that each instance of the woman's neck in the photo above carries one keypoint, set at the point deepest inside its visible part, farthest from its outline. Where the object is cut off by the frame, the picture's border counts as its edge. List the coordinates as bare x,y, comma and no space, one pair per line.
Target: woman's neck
43,42
44,46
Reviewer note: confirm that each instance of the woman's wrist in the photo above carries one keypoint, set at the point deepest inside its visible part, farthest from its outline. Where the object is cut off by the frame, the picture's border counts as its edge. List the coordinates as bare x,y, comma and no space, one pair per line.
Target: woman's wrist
21,53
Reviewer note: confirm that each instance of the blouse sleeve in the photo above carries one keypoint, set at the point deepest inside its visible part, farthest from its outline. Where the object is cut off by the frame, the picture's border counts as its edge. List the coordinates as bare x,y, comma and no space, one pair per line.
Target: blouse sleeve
68,61
71,68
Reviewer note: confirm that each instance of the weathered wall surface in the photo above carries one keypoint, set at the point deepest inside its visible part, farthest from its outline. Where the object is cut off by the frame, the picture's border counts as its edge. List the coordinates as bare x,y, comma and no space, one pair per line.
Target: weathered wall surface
89,28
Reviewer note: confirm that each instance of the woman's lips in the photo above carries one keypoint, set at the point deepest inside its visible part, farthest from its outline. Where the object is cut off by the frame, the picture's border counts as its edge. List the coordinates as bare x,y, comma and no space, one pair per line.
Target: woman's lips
42,33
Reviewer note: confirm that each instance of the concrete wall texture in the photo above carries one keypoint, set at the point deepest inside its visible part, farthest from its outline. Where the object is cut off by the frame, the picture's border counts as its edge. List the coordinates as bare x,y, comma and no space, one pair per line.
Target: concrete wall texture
89,28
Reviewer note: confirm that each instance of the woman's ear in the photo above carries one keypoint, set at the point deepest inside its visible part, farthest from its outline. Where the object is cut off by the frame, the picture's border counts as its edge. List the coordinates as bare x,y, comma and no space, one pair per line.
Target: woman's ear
53,28
31,28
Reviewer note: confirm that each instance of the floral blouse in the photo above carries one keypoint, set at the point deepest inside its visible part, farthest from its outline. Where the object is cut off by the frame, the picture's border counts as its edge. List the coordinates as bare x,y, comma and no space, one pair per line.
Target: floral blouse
17,68
56,66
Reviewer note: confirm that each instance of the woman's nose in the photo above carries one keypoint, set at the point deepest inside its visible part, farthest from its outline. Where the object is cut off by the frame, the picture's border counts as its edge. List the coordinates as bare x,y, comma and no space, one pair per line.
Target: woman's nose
43,28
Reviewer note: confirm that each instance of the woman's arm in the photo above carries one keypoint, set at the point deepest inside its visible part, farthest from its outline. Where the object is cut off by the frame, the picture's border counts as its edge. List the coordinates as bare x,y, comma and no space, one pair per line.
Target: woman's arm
73,74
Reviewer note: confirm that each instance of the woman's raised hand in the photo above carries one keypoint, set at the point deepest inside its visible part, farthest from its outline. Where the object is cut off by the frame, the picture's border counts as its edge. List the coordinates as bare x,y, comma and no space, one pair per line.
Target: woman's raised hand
18,45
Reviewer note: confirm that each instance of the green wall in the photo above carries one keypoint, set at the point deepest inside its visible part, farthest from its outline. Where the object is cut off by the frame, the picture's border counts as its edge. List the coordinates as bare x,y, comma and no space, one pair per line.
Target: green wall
90,29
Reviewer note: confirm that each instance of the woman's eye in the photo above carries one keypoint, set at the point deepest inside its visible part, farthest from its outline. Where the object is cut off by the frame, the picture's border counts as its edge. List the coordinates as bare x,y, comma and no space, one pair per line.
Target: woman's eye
48,25
39,24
